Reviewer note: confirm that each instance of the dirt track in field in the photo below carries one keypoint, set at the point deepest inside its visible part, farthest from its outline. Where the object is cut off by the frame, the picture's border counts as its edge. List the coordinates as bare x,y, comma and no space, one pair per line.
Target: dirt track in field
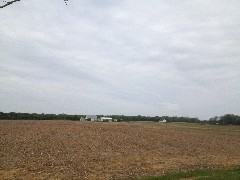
91,150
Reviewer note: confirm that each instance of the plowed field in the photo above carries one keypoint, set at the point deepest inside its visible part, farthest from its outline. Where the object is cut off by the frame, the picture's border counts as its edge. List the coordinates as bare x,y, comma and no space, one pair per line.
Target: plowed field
93,150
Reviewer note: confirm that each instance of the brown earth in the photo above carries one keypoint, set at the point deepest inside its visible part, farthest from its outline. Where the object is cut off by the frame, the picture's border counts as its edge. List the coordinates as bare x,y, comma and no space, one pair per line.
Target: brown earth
92,150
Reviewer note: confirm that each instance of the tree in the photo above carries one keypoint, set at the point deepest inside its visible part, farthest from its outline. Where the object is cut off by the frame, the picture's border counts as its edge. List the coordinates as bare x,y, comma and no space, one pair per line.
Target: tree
230,119
225,120
7,3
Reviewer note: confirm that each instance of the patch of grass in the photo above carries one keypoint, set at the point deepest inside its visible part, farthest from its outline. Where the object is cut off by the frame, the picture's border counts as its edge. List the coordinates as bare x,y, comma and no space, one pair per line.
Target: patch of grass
233,174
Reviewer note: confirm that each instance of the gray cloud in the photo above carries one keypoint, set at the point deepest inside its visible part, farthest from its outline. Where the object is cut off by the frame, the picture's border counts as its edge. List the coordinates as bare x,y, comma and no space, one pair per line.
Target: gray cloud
129,57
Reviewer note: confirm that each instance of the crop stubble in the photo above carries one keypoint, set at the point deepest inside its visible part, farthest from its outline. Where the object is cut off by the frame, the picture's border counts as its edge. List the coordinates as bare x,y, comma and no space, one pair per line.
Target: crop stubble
90,150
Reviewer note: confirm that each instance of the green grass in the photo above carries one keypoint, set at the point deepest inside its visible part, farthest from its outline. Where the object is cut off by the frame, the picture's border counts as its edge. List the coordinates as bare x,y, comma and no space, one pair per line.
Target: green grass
229,174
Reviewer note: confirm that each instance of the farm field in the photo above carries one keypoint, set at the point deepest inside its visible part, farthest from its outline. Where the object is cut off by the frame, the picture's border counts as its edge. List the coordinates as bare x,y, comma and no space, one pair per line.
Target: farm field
95,150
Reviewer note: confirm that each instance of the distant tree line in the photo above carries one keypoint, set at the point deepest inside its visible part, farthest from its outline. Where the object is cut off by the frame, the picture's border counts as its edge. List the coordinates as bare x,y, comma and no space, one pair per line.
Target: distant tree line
227,119
35,116
119,118
221,120
155,119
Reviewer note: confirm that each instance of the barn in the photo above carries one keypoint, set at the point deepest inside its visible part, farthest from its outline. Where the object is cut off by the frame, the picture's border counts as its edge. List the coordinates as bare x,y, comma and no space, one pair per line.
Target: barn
105,119
91,118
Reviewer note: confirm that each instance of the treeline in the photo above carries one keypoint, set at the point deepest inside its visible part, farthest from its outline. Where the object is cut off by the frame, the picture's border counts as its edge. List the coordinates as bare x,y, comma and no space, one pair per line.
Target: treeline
227,119
119,118
221,120
155,119
35,116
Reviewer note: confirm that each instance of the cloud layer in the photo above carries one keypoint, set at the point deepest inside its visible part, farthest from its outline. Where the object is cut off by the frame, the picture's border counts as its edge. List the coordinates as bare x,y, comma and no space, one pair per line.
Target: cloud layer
121,57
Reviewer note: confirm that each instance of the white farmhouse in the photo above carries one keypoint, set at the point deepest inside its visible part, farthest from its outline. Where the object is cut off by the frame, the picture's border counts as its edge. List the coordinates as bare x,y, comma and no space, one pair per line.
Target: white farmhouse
82,119
163,121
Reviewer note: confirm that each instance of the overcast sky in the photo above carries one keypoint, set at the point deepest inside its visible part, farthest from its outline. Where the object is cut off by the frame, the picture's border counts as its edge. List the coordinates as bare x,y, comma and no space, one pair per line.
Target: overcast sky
130,57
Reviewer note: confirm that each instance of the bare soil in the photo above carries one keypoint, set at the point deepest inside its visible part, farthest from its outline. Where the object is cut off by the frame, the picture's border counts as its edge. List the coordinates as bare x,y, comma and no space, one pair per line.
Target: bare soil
93,150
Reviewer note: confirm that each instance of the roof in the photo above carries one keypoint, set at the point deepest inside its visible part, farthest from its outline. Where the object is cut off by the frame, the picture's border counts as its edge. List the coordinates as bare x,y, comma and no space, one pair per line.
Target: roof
106,118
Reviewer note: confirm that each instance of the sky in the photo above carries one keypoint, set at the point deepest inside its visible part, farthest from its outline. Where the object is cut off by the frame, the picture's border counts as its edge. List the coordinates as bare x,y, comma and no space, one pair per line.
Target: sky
128,57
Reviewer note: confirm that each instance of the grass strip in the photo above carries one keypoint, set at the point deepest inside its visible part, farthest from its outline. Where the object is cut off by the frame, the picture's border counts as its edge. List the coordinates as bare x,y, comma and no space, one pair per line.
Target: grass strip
209,174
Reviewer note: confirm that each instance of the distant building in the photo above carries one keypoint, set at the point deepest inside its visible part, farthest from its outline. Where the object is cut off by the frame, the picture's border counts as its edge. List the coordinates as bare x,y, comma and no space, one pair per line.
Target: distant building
91,118
162,121
82,119
105,119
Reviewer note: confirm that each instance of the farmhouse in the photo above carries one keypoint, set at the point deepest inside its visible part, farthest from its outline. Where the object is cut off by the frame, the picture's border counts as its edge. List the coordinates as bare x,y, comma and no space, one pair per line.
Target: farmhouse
82,119
105,119
163,121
